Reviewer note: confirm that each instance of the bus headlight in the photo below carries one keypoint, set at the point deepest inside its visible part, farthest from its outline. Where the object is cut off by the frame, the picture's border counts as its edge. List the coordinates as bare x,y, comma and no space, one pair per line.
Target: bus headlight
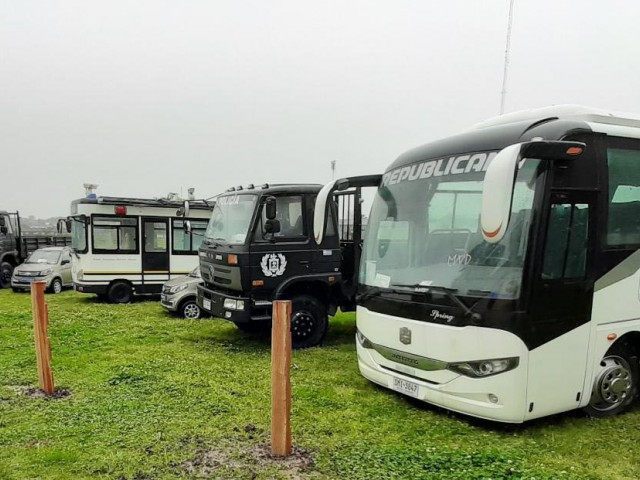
485,368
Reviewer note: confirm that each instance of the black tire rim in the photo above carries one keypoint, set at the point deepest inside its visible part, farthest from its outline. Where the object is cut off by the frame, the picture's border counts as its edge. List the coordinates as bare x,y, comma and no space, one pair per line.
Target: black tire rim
121,293
302,325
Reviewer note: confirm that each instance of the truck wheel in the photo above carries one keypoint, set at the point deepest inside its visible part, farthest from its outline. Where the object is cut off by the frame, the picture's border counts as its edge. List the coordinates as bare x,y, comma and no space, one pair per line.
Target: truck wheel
190,309
6,271
616,383
56,286
309,322
120,292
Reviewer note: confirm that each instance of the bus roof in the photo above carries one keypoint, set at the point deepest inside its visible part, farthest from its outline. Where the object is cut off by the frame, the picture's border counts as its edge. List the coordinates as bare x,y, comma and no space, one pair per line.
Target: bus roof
143,202
277,188
550,123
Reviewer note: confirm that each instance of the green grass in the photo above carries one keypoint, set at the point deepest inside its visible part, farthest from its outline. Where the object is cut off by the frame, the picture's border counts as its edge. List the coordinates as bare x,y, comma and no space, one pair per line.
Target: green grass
154,396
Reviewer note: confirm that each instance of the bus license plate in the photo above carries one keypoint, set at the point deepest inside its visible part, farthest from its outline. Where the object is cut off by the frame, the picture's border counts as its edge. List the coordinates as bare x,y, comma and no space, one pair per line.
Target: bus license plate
408,388
206,304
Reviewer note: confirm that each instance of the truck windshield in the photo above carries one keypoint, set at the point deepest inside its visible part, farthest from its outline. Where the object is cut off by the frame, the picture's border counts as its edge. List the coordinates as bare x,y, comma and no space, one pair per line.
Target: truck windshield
230,219
426,232
49,257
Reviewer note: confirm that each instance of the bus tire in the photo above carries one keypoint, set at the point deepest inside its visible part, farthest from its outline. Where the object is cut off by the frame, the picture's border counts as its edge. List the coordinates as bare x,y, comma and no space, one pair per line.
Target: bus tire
120,292
190,310
56,286
309,322
616,383
6,271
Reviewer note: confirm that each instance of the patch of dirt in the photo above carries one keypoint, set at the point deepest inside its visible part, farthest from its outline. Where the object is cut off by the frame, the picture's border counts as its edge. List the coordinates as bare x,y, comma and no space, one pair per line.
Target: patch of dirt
250,458
37,393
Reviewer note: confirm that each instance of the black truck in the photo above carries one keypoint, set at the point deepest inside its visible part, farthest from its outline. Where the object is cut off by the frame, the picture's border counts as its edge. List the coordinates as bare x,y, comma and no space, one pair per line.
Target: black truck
260,247
15,246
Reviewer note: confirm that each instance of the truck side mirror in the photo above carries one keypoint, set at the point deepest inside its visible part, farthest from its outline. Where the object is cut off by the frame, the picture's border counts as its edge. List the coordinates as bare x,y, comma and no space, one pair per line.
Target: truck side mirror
499,180
68,224
270,208
272,226
4,230
3,222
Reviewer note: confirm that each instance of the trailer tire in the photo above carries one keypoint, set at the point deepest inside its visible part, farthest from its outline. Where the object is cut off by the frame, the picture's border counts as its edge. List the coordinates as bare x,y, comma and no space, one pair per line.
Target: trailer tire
6,271
120,292
616,384
309,322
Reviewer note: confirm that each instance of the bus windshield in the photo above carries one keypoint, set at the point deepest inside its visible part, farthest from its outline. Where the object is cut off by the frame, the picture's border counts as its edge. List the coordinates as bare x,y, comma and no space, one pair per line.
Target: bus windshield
426,232
230,219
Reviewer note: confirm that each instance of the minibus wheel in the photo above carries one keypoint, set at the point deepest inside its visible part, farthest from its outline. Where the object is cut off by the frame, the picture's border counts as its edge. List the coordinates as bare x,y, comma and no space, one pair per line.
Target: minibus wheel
615,385
120,292
309,322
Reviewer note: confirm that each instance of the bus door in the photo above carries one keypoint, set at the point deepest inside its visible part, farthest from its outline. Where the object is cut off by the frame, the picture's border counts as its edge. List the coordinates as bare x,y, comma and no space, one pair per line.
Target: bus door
155,251
558,339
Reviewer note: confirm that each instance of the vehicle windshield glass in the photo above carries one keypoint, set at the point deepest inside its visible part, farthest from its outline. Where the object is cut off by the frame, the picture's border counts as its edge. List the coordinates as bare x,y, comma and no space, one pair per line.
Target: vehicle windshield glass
425,230
78,234
49,257
230,219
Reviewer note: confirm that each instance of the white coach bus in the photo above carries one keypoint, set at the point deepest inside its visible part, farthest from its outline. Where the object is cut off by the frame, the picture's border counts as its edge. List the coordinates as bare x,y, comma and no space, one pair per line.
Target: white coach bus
500,273
127,246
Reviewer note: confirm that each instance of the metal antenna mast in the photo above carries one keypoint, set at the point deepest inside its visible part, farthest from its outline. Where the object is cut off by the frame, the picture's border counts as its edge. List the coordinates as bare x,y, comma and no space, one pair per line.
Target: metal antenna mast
506,58
333,169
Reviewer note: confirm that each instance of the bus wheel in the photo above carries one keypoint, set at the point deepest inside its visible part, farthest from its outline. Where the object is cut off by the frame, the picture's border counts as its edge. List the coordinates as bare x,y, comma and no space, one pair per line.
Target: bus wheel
190,310
120,292
6,271
616,383
309,322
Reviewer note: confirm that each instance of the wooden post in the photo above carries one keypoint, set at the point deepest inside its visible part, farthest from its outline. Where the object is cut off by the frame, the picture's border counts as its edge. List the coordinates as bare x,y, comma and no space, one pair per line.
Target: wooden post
40,327
280,379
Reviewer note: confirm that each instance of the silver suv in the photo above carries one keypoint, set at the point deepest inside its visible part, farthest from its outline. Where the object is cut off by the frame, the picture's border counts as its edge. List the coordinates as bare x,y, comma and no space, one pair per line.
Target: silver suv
179,295
50,264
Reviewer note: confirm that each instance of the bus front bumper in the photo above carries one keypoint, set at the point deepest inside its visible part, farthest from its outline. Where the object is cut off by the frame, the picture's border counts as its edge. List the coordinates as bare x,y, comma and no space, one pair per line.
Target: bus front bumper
498,398
90,288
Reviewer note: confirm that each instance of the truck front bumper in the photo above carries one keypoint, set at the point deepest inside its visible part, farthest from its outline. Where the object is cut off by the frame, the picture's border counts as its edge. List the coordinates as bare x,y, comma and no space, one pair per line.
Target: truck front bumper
219,305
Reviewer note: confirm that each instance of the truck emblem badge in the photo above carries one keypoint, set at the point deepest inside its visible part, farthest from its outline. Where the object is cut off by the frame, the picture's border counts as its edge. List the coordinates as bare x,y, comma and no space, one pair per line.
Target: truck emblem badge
212,271
405,335
273,264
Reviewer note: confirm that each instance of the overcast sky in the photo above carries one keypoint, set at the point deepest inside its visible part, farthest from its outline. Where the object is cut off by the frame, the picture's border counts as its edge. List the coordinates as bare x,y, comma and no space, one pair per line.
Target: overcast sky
148,97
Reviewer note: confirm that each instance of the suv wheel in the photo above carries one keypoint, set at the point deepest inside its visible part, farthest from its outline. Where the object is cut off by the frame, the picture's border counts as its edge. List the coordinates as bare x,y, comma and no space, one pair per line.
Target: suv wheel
56,286
190,309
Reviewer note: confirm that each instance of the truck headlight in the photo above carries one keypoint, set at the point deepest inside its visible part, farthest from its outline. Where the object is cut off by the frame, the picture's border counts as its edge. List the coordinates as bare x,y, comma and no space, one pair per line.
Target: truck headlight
231,304
178,288
485,368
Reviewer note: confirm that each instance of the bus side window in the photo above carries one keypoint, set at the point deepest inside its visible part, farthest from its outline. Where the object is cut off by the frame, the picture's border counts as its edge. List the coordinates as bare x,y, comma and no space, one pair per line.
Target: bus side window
566,246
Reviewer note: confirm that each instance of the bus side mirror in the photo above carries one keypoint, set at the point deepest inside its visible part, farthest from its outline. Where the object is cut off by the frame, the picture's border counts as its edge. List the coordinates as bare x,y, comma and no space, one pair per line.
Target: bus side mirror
184,210
270,208
500,177
187,226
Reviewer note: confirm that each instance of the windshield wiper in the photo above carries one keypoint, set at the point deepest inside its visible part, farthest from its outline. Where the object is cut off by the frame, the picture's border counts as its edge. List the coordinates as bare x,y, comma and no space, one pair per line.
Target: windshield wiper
450,293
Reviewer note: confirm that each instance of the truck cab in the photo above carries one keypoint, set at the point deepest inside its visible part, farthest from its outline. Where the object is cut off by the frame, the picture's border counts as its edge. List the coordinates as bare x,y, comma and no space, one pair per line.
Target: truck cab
260,246
9,247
